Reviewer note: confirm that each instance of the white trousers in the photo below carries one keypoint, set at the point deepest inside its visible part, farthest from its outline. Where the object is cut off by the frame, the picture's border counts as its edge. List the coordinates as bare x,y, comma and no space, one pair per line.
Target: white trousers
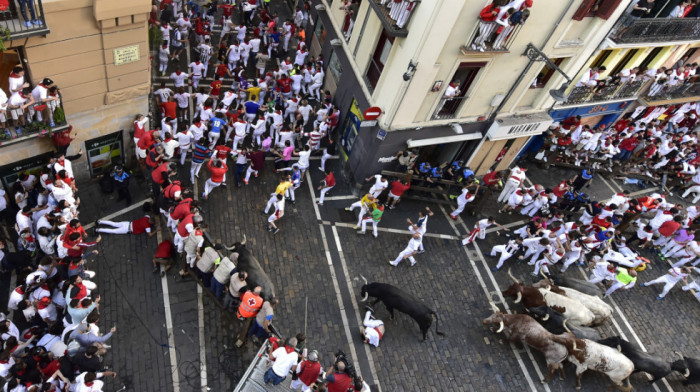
194,171
668,284
570,259
209,186
179,242
693,189
615,286
183,155
323,193
363,211
250,171
271,202
324,158
117,227
404,254
504,254
508,189
461,203
374,225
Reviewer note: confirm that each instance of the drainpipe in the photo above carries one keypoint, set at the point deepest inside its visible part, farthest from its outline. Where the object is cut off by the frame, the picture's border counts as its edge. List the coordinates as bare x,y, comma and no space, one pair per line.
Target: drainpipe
397,102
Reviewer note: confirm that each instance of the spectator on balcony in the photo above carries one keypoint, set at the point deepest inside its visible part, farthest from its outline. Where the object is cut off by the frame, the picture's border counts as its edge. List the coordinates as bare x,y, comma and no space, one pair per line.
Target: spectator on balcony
515,18
591,76
40,93
694,12
488,16
640,10
16,79
628,75
351,8
23,9
679,10
19,101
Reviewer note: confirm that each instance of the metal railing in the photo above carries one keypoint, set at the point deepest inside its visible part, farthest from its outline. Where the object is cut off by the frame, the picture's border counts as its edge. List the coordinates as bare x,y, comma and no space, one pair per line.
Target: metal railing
32,125
395,16
491,37
585,94
23,18
661,92
656,30
448,108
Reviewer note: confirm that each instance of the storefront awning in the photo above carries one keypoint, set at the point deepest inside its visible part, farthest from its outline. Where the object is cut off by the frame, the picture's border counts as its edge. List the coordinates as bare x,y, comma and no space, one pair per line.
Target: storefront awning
443,139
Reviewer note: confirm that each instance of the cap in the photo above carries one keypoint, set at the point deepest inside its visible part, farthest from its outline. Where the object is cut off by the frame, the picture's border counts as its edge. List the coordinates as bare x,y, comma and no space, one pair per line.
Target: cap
313,356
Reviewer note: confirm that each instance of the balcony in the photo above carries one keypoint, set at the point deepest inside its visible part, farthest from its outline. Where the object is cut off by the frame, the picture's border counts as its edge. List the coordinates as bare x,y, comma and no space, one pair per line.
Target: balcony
487,38
395,16
666,94
23,21
613,92
657,30
448,108
34,128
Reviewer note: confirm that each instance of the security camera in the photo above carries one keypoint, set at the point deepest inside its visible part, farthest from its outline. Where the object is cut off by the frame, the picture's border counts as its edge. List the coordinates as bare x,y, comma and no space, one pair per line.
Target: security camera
406,76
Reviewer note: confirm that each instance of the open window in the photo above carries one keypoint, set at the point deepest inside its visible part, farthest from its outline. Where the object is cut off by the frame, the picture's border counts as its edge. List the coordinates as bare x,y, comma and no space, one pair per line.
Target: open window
599,8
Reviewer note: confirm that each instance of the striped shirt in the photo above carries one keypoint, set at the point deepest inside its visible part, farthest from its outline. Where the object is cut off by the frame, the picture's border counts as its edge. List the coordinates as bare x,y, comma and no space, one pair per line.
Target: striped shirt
201,152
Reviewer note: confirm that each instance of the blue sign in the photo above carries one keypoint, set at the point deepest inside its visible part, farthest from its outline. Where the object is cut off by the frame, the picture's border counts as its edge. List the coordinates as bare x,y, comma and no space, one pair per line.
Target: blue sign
600,109
381,134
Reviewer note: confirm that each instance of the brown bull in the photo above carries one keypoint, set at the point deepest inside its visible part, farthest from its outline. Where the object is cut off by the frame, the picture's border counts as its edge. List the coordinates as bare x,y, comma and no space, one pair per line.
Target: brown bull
530,296
524,329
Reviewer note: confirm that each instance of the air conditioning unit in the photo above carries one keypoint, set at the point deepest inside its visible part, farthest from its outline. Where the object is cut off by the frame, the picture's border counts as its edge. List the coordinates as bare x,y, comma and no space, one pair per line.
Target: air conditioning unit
518,126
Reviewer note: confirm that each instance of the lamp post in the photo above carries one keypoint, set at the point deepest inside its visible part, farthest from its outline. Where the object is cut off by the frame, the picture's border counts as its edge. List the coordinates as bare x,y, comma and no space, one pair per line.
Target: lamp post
535,55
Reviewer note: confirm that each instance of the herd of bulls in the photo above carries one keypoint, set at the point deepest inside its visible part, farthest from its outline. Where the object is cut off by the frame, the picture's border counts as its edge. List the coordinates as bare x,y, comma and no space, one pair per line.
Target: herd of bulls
557,324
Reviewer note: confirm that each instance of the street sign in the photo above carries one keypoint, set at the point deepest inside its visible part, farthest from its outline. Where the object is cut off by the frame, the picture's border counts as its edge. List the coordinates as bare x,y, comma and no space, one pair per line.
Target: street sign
381,134
368,123
372,113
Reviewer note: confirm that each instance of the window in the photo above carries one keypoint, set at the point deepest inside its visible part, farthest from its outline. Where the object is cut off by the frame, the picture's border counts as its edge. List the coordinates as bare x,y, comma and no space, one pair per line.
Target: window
462,81
650,57
602,57
334,67
379,58
546,73
10,58
320,31
622,64
601,8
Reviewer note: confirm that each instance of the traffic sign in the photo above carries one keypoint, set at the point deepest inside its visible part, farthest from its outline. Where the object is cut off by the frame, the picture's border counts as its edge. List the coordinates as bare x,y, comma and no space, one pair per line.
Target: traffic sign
372,113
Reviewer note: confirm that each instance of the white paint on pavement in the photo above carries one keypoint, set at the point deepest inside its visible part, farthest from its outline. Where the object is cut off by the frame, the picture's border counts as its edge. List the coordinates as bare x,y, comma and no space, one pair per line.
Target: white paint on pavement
169,327
202,342
336,286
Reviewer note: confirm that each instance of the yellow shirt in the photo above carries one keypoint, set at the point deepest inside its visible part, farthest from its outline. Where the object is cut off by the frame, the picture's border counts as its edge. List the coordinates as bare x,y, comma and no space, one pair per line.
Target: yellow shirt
282,187
370,205
253,93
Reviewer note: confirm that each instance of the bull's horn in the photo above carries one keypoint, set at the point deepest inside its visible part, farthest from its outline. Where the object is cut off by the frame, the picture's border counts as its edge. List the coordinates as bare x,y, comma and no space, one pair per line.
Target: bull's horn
364,299
565,327
619,349
543,275
545,318
230,248
244,239
500,329
678,353
513,277
518,298
494,307
687,373
363,278
548,288
574,348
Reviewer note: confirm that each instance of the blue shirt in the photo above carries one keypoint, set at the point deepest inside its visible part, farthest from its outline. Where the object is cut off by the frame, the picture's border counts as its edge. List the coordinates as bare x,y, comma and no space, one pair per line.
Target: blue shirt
251,107
467,172
121,178
424,167
216,124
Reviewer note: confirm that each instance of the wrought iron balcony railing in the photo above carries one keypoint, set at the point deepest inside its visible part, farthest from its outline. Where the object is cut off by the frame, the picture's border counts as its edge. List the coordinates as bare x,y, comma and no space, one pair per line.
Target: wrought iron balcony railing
395,16
491,37
51,114
22,19
611,92
448,108
657,30
665,92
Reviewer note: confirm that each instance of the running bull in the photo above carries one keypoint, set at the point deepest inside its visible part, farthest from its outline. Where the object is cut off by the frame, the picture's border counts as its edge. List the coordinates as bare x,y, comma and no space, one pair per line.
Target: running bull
394,298
688,367
553,319
586,354
249,263
523,328
657,367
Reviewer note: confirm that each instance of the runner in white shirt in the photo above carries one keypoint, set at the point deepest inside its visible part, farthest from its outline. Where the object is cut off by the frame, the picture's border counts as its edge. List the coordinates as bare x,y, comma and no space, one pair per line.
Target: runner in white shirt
205,51
305,110
303,159
197,70
300,58
163,93
479,230
185,141
179,77
183,103
197,129
245,52
410,251
380,184
673,276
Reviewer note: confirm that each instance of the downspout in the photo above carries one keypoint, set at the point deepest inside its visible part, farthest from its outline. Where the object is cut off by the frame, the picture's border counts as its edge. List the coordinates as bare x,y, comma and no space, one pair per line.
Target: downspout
397,102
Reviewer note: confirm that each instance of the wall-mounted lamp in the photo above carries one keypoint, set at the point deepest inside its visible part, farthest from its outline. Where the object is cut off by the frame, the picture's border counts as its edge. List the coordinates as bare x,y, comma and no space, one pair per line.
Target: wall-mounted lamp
320,7
410,71
336,42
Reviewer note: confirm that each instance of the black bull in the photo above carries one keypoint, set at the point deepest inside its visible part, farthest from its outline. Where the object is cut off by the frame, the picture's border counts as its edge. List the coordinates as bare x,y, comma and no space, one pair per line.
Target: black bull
394,298
256,275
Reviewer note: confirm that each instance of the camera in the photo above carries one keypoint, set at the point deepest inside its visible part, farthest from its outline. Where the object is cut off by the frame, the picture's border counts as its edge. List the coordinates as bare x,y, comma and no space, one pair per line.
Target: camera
340,357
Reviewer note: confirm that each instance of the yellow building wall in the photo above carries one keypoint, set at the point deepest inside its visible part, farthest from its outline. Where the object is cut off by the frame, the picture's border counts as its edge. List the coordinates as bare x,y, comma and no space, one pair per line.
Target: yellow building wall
99,97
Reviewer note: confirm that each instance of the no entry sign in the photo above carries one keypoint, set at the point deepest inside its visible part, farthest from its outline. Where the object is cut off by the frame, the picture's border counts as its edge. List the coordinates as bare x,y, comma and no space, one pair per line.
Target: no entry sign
372,113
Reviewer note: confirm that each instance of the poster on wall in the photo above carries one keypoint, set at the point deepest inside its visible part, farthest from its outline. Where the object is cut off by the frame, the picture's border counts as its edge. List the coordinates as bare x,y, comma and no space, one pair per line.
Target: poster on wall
103,152
351,128
10,173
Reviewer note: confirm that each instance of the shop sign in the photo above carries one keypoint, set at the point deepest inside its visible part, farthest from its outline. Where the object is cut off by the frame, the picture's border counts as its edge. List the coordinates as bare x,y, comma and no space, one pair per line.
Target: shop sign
103,152
10,173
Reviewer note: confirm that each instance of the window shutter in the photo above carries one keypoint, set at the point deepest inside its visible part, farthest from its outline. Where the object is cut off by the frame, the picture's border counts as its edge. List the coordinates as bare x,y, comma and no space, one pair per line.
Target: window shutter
583,9
606,8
